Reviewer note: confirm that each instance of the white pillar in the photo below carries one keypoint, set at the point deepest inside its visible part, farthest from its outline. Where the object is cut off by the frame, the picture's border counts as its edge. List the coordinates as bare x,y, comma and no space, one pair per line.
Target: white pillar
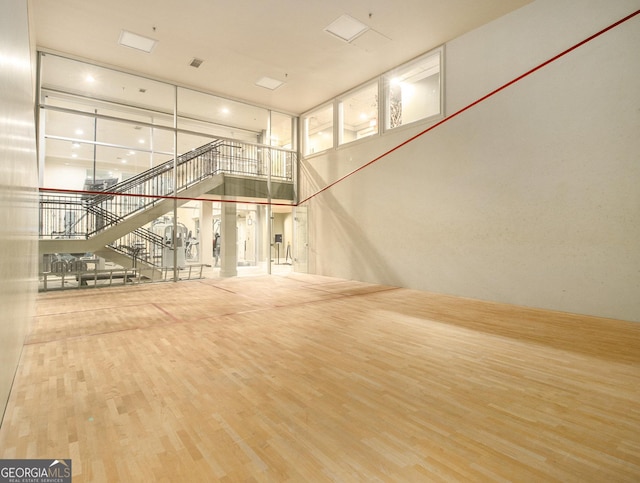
228,235
206,232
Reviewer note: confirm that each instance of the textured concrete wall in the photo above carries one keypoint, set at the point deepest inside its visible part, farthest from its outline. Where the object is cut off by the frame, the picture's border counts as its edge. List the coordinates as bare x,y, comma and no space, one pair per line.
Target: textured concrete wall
530,197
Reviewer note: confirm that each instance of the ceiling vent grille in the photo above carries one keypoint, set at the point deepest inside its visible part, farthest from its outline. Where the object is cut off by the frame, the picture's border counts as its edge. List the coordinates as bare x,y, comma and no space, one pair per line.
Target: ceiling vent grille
195,62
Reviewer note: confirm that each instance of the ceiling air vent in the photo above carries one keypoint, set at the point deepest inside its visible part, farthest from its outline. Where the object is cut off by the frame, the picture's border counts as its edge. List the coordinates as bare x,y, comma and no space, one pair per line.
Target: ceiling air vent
195,62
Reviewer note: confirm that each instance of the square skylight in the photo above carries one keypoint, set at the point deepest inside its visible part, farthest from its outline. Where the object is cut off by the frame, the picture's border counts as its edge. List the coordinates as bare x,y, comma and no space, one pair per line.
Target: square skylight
346,28
138,42
269,83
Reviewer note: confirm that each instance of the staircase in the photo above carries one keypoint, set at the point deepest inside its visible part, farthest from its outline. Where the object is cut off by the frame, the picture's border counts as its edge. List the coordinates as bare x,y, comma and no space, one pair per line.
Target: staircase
111,224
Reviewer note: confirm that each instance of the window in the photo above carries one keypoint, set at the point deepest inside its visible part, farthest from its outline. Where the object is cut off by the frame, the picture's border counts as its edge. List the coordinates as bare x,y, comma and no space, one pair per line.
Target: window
318,130
283,131
413,91
358,114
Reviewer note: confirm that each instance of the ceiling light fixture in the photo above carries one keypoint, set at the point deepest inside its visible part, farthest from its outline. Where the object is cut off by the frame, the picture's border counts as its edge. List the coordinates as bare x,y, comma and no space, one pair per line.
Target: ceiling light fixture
138,42
346,28
269,83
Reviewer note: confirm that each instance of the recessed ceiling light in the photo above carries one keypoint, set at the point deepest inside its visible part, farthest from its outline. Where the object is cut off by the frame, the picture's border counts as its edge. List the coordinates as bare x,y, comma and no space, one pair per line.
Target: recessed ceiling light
138,42
79,132
269,83
90,78
346,28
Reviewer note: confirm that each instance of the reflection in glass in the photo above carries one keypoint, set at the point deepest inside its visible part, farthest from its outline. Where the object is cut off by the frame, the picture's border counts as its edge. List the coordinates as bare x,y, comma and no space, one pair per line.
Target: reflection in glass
359,114
87,81
283,134
220,117
318,130
413,91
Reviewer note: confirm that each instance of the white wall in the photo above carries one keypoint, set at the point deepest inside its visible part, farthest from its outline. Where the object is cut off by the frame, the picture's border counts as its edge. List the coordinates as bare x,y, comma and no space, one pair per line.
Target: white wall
18,195
530,197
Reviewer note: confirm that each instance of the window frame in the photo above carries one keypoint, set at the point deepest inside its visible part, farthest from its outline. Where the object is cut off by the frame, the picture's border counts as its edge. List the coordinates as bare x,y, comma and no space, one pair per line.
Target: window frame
387,82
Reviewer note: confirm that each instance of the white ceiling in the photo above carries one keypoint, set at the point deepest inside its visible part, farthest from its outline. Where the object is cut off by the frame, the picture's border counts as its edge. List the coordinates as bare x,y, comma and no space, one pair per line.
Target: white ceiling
241,41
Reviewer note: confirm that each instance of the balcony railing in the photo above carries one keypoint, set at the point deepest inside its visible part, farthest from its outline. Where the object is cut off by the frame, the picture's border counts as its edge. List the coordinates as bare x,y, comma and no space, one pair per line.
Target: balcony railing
82,215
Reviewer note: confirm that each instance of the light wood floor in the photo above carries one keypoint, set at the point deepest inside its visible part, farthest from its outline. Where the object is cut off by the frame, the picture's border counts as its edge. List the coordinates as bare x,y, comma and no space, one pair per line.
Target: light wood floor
306,379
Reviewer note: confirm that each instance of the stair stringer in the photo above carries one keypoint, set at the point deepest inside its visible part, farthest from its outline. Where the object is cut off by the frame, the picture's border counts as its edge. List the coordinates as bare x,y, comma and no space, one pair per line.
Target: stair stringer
103,238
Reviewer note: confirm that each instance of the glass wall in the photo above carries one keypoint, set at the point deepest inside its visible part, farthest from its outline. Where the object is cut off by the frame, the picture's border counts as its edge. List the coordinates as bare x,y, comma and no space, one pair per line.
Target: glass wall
146,143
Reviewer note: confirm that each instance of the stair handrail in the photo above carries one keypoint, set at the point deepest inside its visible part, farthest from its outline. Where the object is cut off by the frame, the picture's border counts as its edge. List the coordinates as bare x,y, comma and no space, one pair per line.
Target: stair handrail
135,194
140,178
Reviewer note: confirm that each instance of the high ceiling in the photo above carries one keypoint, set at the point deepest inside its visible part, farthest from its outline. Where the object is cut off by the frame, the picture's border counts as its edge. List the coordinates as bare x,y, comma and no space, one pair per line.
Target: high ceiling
241,41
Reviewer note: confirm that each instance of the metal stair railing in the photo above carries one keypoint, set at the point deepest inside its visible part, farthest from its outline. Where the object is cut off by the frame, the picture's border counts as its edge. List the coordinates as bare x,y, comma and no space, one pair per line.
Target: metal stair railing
63,216
141,245
148,188
84,215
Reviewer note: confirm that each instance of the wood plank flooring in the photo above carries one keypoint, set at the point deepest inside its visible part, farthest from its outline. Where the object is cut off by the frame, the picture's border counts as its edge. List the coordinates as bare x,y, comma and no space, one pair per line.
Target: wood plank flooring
309,379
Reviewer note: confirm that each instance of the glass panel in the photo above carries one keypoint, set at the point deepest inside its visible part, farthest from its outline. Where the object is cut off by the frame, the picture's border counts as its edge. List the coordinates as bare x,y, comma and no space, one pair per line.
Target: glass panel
413,92
161,145
189,216
216,231
358,113
247,240
88,81
282,131
318,130
90,144
120,163
92,106
191,142
66,164
282,238
70,126
226,118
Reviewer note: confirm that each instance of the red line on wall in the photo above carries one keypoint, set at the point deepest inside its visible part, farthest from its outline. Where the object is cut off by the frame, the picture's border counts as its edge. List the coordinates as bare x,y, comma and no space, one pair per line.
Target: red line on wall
474,103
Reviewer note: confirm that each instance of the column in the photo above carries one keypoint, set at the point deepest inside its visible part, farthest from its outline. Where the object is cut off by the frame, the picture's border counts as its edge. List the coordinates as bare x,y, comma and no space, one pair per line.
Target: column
228,235
206,232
